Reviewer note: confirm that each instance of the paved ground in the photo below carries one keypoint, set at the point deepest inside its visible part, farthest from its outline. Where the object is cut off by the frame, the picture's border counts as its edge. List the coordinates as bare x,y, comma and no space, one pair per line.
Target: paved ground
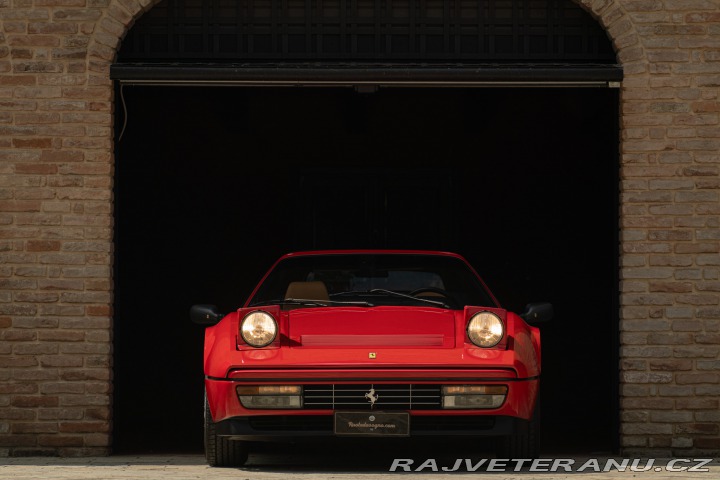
311,466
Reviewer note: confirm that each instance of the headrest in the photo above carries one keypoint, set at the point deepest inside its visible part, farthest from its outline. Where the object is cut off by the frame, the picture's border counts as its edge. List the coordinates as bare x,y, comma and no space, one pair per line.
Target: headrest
307,291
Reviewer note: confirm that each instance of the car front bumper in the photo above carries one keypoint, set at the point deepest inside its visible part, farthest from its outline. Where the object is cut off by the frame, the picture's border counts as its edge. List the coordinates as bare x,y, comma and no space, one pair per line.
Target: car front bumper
234,420
290,428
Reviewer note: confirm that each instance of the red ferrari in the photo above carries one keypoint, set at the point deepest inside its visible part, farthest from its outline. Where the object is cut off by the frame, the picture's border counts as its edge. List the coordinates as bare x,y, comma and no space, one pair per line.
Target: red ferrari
357,343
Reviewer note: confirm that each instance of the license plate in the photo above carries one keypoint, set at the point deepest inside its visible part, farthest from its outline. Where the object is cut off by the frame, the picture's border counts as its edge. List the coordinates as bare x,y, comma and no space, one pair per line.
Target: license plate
385,424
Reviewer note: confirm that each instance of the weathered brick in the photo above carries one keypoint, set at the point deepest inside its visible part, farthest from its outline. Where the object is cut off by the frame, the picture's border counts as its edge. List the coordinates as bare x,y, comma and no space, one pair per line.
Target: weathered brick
646,429
634,440
708,365
86,374
84,400
60,156
696,403
61,361
17,362
635,390
711,416
17,440
18,310
43,245
645,325
687,326
26,297
85,323
84,348
646,351
83,427
712,390
60,284
697,378
99,310
696,352
655,403
77,413
657,442
681,442
104,413
35,348
18,335
23,374
665,416
61,440
92,361
671,364
27,401
63,387
19,206
38,67
52,28
61,335
35,427
98,440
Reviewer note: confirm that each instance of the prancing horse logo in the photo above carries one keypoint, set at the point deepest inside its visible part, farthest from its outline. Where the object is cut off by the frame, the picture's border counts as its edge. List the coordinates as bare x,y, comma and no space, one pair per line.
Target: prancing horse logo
372,397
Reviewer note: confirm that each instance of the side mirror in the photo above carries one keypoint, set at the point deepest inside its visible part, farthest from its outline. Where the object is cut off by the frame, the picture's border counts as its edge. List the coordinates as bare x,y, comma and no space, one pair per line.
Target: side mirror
537,313
205,315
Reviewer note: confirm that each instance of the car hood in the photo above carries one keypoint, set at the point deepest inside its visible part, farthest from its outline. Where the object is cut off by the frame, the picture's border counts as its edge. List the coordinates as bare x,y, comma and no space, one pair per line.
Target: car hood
372,327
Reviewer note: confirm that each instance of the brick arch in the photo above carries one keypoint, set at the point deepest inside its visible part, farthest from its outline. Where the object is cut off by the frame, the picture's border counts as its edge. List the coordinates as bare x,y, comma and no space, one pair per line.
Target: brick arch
620,29
117,19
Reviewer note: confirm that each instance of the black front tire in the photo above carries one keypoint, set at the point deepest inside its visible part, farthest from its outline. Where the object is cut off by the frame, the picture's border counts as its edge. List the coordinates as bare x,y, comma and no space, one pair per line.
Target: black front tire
219,451
521,445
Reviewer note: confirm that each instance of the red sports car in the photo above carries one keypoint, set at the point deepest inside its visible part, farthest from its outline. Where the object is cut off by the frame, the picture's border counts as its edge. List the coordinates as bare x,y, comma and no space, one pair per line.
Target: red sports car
370,343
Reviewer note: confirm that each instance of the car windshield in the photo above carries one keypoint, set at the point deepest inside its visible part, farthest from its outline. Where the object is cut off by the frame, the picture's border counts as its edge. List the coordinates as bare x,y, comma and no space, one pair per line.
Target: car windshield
372,279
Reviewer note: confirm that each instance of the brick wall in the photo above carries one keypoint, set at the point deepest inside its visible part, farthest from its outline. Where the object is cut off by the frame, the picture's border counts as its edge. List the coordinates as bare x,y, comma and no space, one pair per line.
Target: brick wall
670,206
56,165
56,235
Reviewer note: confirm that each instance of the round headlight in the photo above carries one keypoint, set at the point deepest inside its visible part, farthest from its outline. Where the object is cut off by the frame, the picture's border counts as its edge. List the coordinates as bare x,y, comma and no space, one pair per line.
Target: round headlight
258,329
485,329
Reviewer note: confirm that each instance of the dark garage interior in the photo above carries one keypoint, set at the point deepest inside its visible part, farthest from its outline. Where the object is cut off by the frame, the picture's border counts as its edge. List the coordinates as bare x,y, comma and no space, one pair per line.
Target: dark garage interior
213,184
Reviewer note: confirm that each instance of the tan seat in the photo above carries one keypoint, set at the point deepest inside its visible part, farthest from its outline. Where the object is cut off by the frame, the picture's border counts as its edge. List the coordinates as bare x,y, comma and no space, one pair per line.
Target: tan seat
307,291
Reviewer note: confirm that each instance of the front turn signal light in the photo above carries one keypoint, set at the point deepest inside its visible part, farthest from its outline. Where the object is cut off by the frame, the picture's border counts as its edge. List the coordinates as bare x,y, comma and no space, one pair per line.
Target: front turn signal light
270,396
473,396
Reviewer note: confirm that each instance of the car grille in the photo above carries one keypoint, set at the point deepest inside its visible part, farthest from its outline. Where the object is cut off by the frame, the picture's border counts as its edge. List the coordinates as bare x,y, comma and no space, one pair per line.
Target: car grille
389,397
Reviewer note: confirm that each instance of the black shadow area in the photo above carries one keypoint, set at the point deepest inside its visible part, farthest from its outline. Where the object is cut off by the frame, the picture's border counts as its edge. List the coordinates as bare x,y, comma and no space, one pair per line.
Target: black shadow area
213,184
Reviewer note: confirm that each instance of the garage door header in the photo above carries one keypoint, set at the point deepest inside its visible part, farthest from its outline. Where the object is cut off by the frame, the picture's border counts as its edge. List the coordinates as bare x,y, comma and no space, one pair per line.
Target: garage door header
373,75
356,42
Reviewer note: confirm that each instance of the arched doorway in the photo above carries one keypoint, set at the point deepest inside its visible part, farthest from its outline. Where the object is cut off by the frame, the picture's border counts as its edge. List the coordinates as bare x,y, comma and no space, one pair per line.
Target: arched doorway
417,112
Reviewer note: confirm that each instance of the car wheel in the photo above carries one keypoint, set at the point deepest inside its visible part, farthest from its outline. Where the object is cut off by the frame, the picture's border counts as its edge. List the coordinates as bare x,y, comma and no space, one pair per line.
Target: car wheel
521,445
219,451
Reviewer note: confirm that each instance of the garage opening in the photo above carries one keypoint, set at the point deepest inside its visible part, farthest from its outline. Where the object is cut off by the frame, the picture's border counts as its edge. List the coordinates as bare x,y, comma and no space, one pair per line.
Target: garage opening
218,173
